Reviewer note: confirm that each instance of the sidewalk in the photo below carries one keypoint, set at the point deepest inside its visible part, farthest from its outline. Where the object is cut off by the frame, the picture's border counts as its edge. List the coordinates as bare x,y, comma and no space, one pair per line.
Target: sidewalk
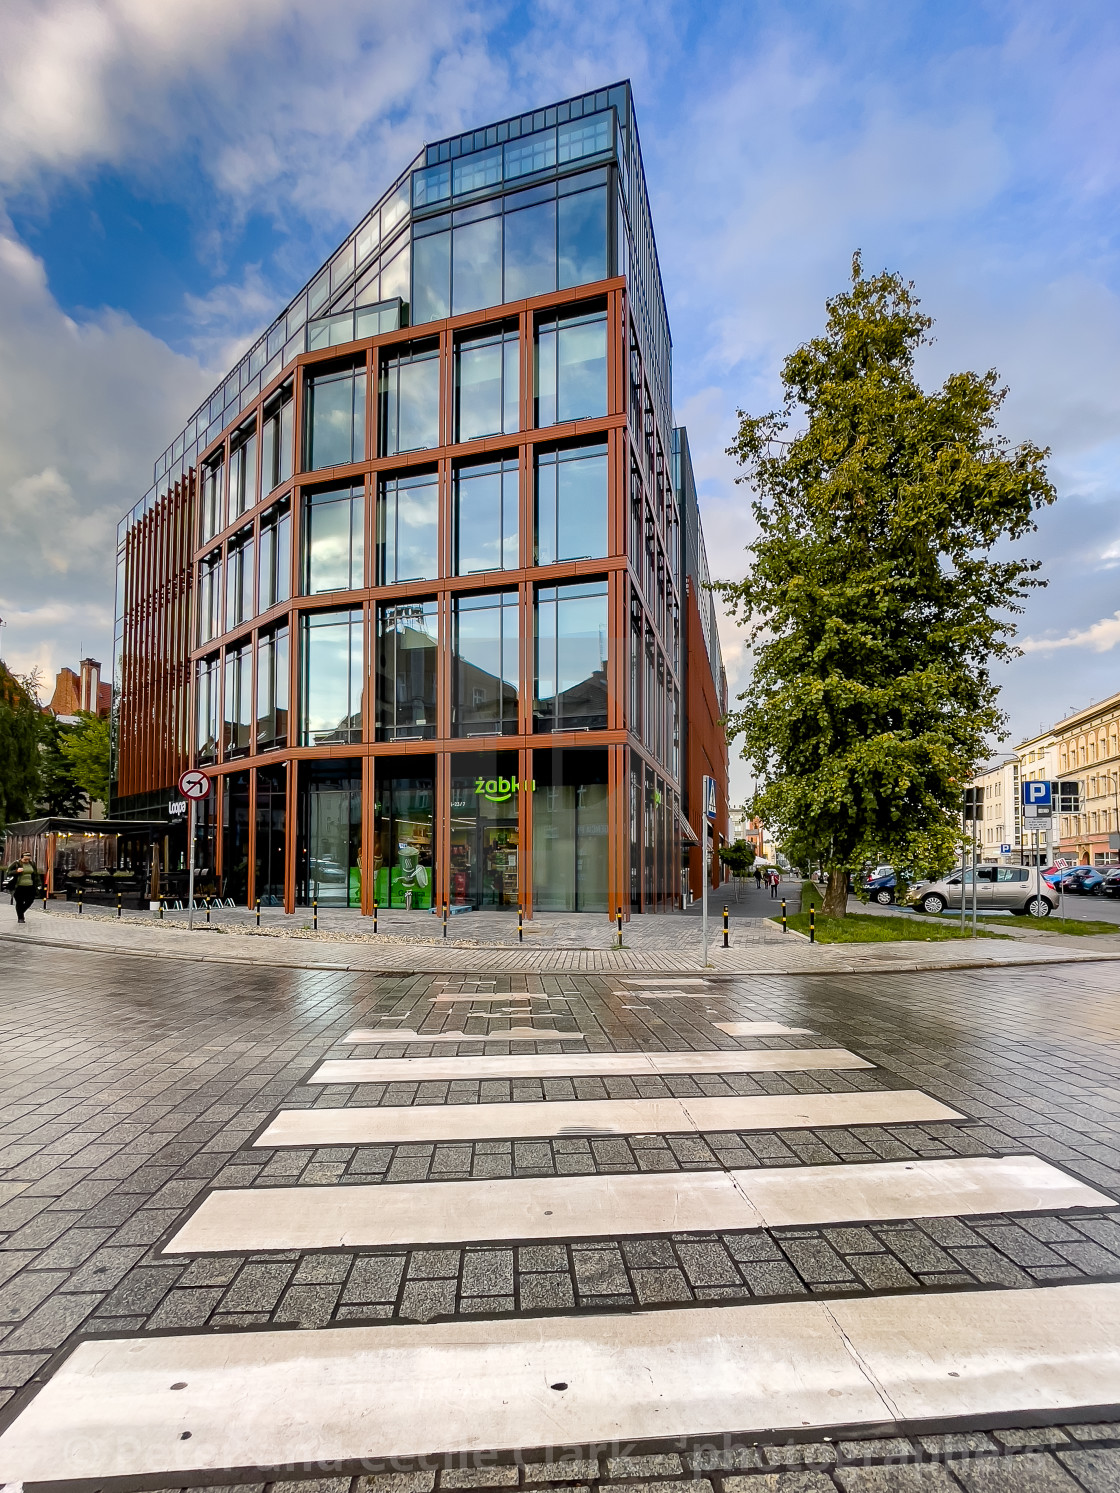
553,943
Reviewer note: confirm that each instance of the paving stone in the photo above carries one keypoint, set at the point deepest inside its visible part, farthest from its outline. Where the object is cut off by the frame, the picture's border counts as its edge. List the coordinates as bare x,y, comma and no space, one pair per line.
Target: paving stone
664,1464
257,1288
1098,1470
396,1482
781,1482
542,1257
141,1291
423,1299
923,1477
185,1308
800,1454
546,1292
479,1477
1030,1436
1095,1431
877,1449
1026,1473
433,1264
52,1323
707,1264
660,1286
308,1306
374,1278
20,1297
853,1241
487,1272
724,1459
600,1272
772,1280
573,1471
957,1444
882,1272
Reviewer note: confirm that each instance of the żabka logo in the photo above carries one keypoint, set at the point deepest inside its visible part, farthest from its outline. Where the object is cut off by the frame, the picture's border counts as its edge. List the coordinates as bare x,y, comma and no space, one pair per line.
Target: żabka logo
498,790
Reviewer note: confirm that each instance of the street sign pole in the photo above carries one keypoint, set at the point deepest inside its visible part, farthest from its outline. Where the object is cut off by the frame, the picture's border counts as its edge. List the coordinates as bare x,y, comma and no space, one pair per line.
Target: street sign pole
190,876
704,903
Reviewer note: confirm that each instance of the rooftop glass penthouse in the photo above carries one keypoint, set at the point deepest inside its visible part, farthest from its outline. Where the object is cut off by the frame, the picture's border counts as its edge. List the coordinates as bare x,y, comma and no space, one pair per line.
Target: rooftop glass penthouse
410,583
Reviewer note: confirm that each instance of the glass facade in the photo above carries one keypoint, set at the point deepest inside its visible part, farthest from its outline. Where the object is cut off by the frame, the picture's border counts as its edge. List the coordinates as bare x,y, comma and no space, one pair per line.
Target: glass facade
486,527
484,665
547,561
407,662
333,539
408,528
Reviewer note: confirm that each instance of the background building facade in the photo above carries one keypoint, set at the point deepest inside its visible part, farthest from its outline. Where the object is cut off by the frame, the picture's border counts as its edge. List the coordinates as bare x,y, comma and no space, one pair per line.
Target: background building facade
422,585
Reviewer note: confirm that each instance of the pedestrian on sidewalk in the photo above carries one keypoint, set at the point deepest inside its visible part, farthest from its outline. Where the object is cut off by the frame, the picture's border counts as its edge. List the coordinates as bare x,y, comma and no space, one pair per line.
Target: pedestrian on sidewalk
23,879
758,878
775,879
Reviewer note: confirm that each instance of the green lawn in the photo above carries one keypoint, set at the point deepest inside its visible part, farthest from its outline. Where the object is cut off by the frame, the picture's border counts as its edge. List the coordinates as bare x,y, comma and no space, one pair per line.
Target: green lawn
1045,925
862,927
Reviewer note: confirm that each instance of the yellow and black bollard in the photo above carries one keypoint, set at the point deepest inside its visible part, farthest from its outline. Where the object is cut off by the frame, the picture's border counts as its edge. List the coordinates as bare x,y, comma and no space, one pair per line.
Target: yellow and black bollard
785,928
208,912
79,901
118,904
375,917
618,920
812,923
520,925
725,942
44,899
258,912
315,914
161,909
445,920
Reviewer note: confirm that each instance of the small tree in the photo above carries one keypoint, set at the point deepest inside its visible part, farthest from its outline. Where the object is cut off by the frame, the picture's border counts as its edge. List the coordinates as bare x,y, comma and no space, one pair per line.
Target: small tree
86,748
873,602
738,857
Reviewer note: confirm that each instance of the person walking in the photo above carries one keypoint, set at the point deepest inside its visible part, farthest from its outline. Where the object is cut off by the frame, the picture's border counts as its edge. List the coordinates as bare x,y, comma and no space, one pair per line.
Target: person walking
775,879
23,879
758,878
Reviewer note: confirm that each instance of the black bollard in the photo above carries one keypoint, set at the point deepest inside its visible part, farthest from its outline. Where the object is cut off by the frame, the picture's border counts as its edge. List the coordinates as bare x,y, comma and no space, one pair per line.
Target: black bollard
118,904
618,919
315,914
79,901
785,929
445,920
375,917
258,912
812,922
725,942
520,926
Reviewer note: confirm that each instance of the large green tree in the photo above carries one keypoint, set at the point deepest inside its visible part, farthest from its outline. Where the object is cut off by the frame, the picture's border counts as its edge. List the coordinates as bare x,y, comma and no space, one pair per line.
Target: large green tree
19,749
876,599
86,748
59,791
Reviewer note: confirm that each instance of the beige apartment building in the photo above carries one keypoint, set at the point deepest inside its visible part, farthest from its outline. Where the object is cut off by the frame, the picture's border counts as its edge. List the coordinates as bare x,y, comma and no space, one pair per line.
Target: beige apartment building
1087,748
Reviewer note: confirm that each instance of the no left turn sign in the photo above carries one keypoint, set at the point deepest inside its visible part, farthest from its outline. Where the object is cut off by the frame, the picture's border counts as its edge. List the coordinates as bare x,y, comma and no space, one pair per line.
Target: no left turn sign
194,784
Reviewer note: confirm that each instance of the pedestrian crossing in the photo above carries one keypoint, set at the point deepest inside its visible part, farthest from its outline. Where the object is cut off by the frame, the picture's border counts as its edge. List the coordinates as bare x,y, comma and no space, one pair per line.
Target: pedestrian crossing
345,1394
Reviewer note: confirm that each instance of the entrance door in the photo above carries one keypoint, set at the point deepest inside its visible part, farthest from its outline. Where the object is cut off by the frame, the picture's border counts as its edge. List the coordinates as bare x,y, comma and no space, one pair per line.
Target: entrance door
497,862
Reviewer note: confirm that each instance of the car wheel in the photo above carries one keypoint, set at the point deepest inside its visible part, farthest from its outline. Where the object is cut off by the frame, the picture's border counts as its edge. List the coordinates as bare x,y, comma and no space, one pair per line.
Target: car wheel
883,897
1038,907
933,903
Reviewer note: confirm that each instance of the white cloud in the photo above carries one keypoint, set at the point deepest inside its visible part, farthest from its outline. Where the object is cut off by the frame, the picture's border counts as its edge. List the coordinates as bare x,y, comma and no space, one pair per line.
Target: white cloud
1100,637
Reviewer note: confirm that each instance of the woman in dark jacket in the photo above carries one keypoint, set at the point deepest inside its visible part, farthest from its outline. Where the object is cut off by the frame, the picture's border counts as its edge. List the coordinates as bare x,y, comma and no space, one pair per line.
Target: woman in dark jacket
23,879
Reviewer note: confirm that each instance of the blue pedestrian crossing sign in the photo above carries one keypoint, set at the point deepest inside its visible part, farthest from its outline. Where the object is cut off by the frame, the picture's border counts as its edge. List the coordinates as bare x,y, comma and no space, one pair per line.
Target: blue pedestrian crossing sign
1036,794
710,798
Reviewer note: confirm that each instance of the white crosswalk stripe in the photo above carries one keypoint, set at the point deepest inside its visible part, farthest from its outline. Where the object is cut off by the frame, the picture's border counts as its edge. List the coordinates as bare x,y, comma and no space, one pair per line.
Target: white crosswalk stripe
400,1124
270,1398
583,1065
247,1219
247,1400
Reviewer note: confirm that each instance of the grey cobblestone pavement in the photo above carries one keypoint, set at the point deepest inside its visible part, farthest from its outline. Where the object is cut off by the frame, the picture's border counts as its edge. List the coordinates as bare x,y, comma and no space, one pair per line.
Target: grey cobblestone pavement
133,1085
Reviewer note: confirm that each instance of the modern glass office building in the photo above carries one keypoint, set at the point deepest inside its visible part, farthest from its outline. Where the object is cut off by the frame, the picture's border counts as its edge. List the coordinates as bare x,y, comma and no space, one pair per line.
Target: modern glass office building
416,584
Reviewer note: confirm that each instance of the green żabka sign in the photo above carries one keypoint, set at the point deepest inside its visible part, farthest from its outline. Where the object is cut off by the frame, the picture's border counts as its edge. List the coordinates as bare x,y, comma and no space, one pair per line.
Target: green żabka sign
500,790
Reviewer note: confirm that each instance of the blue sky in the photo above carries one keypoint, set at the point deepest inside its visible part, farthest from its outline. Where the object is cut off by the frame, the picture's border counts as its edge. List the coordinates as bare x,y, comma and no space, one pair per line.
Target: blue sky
170,173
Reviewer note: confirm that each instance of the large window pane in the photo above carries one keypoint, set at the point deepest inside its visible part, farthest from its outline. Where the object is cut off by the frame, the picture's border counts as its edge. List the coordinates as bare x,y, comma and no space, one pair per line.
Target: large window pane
584,137
210,598
272,689
570,818
571,502
329,847
431,278
571,368
485,833
331,678
530,251
407,663
487,387
410,401
582,229
474,172
207,703
336,418
531,153
276,442
240,576
239,700
486,510
402,833
571,662
477,265
334,522
243,472
484,665
213,517
275,556
408,528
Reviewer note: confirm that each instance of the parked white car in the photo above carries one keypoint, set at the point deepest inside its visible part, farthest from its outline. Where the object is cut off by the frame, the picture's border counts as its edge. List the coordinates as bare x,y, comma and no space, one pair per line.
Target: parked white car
1018,889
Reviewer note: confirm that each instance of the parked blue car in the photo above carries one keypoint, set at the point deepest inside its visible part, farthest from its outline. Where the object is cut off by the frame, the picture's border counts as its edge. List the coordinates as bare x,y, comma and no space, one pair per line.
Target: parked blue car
881,888
1086,880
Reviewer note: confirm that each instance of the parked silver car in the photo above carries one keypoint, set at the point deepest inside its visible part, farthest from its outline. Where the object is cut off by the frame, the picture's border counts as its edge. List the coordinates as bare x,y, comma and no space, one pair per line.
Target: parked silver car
1019,889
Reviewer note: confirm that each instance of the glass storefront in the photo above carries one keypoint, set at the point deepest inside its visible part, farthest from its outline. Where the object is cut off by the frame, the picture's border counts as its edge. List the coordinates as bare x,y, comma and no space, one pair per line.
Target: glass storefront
485,835
272,817
329,848
570,823
236,843
403,816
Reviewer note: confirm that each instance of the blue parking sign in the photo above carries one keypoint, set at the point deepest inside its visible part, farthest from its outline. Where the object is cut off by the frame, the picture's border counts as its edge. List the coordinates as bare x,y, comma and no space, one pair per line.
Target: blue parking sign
1037,794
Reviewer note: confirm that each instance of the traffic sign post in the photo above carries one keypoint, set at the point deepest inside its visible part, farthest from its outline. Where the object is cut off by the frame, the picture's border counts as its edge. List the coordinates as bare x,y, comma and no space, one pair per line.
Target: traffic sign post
194,786
709,786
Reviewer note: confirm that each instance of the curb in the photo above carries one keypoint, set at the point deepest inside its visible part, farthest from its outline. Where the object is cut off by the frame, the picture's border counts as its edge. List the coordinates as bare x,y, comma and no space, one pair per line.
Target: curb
892,968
